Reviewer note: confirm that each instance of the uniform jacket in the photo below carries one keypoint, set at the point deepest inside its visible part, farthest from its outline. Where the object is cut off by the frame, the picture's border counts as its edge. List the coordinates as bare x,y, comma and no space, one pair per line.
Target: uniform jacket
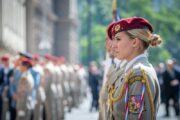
111,76
134,75
24,92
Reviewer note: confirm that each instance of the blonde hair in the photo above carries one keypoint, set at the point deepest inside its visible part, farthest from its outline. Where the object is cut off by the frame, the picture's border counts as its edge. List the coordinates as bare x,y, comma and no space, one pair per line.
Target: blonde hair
145,36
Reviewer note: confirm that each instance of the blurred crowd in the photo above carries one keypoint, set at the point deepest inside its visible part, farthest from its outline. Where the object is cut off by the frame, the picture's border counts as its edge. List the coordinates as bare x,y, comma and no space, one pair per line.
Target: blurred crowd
34,87
169,78
95,80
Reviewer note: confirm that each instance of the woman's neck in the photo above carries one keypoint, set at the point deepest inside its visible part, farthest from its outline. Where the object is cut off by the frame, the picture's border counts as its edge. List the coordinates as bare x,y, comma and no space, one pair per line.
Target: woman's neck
133,55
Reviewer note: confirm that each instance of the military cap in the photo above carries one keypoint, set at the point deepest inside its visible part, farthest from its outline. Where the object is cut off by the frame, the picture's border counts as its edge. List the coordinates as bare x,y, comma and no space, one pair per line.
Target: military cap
110,30
62,58
48,56
5,57
35,57
128,24
25,54
54,58
26,61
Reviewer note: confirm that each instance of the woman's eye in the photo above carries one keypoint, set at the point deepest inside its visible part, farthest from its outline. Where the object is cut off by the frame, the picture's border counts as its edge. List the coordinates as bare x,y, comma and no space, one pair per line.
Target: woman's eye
118,39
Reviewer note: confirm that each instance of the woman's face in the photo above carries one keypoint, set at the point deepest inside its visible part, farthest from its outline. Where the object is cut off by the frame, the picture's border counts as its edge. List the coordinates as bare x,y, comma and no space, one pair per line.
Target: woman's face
123,46
22,68
109,47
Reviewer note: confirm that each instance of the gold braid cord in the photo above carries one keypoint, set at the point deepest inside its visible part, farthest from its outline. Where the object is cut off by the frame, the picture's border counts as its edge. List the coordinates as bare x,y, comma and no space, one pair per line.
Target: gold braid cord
149,93
112,91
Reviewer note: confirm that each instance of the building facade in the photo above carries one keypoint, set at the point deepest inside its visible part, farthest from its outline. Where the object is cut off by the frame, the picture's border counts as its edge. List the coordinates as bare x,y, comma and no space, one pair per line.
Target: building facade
66,30
40,26
12,26
52,27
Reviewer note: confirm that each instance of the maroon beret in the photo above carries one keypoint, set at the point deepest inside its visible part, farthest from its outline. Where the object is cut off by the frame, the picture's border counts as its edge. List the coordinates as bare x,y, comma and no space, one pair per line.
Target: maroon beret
132,23
5,57
48,56
54,58
26,61
62,59
128,24
110,30
35,57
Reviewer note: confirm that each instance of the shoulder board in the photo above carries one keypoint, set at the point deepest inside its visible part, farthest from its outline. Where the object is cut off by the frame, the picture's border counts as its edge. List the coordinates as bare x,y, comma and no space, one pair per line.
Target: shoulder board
136,75
134,79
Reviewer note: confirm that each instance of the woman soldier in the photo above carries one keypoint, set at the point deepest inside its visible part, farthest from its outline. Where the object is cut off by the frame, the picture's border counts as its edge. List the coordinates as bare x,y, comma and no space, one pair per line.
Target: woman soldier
135,95
114,69
108,72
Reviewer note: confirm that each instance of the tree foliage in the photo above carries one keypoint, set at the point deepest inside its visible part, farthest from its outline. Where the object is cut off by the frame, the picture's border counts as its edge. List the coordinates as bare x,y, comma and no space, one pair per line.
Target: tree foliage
164,16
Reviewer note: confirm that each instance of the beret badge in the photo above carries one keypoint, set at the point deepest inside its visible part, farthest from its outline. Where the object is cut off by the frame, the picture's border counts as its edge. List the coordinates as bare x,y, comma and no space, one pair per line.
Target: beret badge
117,28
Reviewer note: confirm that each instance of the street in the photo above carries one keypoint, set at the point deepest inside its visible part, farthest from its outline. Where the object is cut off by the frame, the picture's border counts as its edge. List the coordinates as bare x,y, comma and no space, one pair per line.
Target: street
82,113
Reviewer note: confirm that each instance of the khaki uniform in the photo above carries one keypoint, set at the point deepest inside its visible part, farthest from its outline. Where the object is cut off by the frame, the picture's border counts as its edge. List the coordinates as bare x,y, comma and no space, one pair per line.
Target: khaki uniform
76,87
24,100
69,87
50,90
111,77
72,84
66,86
59,98
38,111
141,71
103,97
83,78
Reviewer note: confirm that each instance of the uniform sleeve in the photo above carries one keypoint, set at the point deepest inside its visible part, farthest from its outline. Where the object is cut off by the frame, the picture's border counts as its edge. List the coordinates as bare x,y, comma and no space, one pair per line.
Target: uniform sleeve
134,100
138,98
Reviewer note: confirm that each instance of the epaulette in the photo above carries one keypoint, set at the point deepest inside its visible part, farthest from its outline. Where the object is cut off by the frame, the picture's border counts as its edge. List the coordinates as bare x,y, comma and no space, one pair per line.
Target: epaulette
134,79
135,75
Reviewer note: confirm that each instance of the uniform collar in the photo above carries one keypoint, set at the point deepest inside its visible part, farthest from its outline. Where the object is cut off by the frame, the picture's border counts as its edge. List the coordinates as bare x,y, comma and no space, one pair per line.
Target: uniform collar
130,63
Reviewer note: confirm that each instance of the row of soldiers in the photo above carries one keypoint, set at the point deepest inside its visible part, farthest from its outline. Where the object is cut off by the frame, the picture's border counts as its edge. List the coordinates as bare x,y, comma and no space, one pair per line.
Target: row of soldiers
39,89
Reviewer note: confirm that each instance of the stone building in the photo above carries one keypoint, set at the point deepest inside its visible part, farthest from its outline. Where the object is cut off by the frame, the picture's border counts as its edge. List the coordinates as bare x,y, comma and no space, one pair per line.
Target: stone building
12,26
40,26
66,30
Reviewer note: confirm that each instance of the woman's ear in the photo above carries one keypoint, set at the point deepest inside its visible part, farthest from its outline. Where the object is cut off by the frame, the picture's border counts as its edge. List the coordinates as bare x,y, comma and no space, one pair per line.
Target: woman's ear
135,42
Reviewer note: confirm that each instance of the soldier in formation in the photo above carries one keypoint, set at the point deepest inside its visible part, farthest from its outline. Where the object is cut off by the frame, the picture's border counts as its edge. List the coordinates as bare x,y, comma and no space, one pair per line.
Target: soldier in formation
113,71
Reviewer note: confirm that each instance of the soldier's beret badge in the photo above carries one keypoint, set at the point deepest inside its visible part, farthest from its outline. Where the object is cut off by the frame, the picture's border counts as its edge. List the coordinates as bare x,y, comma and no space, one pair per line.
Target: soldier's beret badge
117,28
